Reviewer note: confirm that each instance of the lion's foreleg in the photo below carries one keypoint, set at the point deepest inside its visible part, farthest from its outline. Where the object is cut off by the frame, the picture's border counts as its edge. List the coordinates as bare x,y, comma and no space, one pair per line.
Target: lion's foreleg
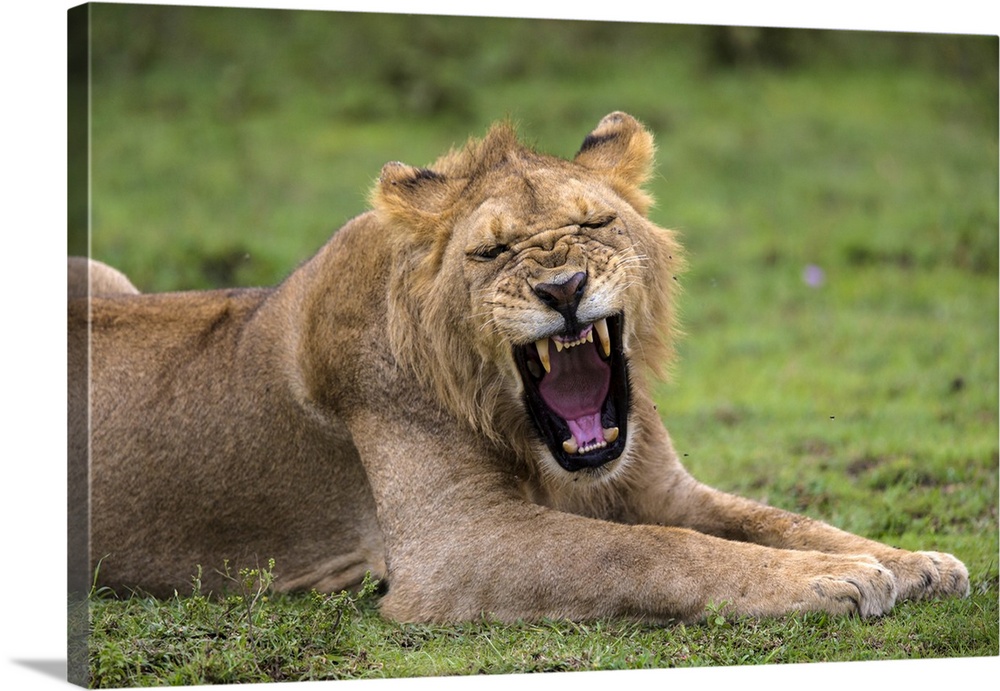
675,498
461,542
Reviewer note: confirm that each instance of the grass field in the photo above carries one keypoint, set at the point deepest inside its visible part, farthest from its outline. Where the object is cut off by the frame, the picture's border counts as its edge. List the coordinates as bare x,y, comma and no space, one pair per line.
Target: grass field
837,195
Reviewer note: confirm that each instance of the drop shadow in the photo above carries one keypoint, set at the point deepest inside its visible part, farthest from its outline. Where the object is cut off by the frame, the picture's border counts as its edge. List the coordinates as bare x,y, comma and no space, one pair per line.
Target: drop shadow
50,668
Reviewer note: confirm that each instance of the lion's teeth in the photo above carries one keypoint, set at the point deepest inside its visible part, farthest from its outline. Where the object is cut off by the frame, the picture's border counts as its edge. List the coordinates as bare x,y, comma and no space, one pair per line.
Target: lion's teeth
601,326
542,346
559,345
571,447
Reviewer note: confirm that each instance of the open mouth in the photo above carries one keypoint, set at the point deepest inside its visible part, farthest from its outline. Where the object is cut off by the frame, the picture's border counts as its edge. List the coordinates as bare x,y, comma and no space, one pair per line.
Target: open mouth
576,388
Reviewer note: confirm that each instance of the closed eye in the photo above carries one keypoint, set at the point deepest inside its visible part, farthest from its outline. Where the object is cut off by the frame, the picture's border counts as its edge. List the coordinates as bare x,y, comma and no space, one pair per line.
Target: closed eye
488,252
598,222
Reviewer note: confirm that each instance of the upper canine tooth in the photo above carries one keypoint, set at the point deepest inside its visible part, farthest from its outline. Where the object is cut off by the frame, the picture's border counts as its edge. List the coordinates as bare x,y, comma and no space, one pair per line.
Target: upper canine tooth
542,346
601,326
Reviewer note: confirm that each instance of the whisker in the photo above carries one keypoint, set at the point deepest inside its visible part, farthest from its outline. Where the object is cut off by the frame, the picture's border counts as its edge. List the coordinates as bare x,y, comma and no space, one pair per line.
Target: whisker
640,260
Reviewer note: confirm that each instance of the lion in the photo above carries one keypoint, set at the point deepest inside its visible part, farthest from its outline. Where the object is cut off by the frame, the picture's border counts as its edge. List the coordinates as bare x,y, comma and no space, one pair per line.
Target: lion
453,395
91,277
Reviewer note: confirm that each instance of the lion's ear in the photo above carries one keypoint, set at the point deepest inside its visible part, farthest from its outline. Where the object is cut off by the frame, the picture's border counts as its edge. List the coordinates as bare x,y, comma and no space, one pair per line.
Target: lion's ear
411,197
622,149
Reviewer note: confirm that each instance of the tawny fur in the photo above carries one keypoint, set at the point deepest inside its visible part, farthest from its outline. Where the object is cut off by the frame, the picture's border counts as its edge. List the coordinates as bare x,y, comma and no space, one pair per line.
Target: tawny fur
366,415
91,277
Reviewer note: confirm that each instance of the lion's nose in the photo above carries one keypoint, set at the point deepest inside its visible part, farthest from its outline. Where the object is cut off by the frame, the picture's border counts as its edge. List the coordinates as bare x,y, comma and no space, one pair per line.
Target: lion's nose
563,297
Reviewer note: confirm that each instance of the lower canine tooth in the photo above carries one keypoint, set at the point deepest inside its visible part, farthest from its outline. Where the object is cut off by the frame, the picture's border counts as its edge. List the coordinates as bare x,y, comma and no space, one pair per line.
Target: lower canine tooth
570,447
610,434
601,326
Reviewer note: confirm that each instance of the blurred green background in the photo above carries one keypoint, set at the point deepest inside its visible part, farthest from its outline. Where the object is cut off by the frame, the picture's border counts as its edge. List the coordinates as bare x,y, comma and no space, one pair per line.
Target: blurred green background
836,192
229,143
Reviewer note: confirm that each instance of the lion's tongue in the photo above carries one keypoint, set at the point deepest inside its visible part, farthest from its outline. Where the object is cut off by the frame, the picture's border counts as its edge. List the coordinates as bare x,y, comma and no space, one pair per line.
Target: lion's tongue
575,389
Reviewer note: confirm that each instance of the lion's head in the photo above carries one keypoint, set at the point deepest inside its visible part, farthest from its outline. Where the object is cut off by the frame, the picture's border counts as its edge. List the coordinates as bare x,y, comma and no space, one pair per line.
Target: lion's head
530,291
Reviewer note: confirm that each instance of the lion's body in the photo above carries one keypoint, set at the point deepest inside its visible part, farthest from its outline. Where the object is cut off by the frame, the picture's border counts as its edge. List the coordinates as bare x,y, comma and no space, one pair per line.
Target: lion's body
90,277
265,479
384,410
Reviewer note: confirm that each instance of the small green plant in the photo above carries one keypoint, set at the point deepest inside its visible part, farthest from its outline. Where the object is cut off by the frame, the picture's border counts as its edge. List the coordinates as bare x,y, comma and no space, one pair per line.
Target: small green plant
331,608
251,588
715,614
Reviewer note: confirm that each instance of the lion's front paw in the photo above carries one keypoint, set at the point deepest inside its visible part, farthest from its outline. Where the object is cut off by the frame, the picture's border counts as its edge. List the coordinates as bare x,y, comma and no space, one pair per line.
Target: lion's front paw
856,585
921,575
816,582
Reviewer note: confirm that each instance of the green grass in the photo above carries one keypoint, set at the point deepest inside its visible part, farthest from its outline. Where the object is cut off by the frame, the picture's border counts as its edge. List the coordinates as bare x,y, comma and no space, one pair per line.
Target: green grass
190,640
229,144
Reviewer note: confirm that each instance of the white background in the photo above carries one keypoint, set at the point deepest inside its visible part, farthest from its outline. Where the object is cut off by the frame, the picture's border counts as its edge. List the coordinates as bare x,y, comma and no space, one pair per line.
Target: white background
33,414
